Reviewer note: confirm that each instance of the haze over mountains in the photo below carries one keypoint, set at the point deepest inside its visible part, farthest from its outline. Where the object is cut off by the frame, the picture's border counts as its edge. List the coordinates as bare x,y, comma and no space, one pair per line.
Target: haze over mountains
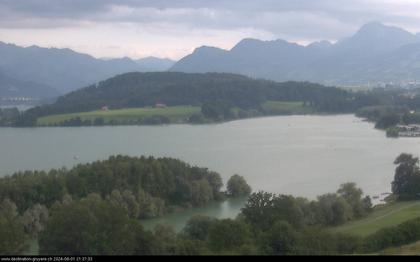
376,54
46,72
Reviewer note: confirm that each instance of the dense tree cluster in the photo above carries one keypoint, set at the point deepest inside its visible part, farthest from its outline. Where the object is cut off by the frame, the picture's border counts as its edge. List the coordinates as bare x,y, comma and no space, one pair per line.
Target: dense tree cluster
263,209
12,234
132,187
92,226
94,209
392,107
406,183
105,227
155,185
217,93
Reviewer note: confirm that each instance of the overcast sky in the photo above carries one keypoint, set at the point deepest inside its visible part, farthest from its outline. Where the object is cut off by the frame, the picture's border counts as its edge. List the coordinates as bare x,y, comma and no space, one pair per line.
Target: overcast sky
173,28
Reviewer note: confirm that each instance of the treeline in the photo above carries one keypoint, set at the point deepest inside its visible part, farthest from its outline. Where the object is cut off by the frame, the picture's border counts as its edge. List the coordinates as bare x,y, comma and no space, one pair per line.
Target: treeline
393,107
94,209
224,96
216,92
8,116
150,120
268,224
122,189
158,185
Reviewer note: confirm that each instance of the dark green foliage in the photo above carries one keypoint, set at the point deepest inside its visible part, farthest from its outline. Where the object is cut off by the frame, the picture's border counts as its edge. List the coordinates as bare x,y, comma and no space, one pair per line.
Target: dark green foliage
331,209
198,227
228,236
281,239
217,93
217,111
387,121
155,120
353,195
319,241
406,184
91,226
197,119
237,186
263,209
99,121
384,116
405,233
12,235
154,185
374,113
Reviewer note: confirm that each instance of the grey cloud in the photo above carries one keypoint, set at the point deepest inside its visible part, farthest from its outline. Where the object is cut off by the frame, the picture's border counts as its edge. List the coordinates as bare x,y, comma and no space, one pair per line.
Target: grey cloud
307,19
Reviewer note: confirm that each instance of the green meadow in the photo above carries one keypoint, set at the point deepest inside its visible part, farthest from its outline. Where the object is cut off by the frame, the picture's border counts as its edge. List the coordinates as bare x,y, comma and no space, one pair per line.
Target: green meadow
384,216
174,113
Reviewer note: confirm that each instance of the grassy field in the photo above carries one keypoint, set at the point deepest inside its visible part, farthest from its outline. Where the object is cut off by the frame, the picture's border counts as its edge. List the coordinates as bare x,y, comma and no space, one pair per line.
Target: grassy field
389,215
174,113
411,249
281,107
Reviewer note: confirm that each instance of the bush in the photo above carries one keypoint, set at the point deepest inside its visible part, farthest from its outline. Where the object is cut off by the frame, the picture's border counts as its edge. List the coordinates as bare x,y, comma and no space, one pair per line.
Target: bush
237,186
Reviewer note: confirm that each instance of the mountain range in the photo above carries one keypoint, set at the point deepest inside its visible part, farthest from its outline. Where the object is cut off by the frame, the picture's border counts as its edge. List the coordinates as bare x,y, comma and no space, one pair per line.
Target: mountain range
47,72
376,54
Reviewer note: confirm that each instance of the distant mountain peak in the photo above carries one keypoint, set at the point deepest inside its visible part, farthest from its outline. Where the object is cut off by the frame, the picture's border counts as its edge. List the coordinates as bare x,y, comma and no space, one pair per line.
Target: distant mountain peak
379,30
207,49
320,44
374,38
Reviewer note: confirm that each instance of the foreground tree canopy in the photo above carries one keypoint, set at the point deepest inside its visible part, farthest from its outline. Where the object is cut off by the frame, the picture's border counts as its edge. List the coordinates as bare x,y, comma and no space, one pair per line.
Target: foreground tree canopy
406,184
146,186
94,209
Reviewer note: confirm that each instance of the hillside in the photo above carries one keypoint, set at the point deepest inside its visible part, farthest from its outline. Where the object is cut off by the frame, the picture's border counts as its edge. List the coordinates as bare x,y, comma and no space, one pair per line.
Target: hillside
67,70
386,216
11,88
375,54
219,92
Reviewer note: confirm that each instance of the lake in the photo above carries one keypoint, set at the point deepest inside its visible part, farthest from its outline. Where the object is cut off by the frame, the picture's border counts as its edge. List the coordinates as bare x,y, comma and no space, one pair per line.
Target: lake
300,155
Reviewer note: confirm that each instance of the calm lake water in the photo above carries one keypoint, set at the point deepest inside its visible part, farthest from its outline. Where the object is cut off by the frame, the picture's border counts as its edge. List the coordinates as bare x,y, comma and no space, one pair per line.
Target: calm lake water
300,155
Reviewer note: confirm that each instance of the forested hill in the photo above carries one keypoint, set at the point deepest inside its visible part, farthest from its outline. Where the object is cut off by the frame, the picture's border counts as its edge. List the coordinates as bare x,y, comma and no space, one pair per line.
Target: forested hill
173,88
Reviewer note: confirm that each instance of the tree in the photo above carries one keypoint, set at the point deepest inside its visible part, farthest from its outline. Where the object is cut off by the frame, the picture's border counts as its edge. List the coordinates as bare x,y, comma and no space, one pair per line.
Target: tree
34,219
91,226
258,208
12,235
237,186
198,227
353,196
263,209
166,237
126,201
227,236
388,121
281,239
406,183
150,206
332,209
201,192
